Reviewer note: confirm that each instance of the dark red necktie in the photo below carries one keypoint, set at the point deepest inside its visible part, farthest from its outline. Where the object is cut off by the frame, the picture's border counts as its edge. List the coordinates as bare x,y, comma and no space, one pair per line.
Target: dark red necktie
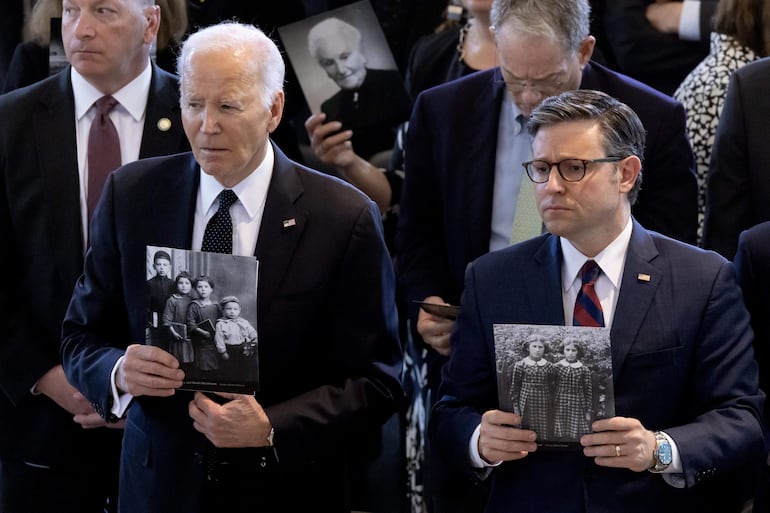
103,150
588,309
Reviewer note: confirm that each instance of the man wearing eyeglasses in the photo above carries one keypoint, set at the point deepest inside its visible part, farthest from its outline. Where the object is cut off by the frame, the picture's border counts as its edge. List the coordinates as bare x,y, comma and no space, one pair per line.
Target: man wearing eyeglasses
687,429
465,187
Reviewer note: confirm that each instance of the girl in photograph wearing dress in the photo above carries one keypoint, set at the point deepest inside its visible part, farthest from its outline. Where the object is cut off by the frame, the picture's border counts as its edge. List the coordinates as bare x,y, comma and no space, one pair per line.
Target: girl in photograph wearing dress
573,398
175,319
200,310
531,387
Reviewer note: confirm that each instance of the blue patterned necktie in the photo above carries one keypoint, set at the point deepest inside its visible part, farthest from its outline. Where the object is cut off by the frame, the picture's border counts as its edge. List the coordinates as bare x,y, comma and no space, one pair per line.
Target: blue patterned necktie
588,309
218,236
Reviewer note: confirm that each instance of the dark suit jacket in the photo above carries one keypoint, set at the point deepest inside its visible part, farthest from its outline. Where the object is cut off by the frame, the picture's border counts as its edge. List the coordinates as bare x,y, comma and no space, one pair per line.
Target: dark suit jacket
657,59
738,190
682,363
446,204
328,345
40,225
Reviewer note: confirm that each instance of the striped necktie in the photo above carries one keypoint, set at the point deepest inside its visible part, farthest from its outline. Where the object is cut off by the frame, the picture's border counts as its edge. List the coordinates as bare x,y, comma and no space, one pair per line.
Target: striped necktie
588,309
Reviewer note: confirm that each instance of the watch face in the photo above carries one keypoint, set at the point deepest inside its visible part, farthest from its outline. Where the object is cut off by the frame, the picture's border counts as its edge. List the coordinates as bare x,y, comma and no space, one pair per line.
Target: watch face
664,453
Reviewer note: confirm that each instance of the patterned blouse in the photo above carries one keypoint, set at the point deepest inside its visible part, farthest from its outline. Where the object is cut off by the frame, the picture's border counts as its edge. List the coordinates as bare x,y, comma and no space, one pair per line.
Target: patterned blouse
703,93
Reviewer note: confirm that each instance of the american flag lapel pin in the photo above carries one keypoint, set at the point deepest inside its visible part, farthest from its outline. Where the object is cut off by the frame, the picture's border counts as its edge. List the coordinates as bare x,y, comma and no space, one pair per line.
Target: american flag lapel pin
288,223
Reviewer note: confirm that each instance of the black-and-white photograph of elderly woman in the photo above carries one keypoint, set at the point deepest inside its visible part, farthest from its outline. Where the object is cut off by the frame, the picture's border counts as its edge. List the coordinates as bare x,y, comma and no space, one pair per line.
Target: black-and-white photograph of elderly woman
558,378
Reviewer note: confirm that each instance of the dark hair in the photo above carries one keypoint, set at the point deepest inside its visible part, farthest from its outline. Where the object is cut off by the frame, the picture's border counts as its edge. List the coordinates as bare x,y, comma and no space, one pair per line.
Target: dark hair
160,255
748,21
622,132
203,277
573,342
534,337
183,274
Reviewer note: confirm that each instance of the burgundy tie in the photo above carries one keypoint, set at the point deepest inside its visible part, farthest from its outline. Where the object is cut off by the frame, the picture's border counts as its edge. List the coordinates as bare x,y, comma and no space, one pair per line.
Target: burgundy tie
588,309
103,150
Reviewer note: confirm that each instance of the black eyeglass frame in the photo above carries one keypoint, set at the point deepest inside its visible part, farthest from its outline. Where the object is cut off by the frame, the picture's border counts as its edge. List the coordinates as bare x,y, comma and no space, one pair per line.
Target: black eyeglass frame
585,163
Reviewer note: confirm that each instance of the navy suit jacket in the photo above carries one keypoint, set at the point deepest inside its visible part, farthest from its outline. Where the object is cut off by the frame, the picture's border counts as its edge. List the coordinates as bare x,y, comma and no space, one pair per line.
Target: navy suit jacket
329,355
738,190
40,225
446,205
682,363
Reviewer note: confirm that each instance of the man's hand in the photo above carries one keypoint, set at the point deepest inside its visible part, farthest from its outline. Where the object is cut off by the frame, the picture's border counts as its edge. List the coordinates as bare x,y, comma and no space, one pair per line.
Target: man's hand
148,370
620,442
433,329
664,16
500,441
89,419
54,384
240,422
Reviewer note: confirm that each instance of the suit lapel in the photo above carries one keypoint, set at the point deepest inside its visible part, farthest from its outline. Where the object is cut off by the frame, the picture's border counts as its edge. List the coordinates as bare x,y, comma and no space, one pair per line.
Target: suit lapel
55,135
479,173
163,133
173,217
282,225
641,278
544,284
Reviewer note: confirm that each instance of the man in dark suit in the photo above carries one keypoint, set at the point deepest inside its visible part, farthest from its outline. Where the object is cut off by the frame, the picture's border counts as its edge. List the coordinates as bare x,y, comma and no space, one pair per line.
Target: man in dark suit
466,142
752,264
49,462
328,347
685,382
738,189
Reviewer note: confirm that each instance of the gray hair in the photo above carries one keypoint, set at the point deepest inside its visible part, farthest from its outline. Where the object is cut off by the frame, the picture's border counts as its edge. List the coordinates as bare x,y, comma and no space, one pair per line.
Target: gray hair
264,61
331,27
622,131
566,21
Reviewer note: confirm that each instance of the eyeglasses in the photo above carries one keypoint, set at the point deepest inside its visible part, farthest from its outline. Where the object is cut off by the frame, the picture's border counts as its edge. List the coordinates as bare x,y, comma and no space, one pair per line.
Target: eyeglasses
571,170
544,87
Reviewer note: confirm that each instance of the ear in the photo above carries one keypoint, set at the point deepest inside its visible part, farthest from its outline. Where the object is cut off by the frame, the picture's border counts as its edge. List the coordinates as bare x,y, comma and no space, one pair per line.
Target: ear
629,168
151,15
586,50
276,112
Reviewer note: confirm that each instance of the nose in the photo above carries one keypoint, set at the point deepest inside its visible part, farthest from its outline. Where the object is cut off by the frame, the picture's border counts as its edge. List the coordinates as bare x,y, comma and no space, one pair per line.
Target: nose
83,26
340,67
209,120
555,182
531,97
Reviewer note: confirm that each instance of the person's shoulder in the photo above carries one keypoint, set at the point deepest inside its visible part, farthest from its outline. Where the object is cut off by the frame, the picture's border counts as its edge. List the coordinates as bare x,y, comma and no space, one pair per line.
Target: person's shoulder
466,87
624,88
760,67
758,234
22,99
332,191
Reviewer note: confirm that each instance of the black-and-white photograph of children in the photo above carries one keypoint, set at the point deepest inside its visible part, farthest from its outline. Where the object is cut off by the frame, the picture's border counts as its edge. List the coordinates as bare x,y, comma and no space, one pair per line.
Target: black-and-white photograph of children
558,378
347,71
209,321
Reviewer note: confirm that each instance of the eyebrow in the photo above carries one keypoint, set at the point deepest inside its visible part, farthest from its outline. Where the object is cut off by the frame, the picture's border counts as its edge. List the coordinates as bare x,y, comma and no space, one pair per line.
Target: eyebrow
552,75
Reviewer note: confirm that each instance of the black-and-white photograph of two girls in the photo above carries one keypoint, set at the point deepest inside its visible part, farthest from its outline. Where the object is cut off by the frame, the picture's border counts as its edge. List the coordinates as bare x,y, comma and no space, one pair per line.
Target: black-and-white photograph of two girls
557,378
202,308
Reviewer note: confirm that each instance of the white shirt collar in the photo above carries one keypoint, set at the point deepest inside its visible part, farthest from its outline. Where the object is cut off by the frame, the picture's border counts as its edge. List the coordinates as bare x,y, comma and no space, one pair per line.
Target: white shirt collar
611,259
251,191
132,97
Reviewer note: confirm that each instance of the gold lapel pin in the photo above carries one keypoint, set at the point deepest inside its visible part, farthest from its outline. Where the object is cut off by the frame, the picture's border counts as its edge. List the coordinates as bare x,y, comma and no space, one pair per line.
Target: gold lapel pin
287,223
643,277
164,124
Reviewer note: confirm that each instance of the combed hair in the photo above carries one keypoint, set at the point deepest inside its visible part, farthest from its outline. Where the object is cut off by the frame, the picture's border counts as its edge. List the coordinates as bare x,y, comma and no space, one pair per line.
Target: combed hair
567,21
622,131
267,63
331,26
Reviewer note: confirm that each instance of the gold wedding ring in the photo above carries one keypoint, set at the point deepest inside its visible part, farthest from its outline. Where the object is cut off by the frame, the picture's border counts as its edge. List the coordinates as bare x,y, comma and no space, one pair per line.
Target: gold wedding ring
617,450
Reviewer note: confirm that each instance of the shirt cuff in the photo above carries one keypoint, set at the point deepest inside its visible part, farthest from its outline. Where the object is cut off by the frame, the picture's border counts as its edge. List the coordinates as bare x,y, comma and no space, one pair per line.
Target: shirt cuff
120,401
477,461
689,22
